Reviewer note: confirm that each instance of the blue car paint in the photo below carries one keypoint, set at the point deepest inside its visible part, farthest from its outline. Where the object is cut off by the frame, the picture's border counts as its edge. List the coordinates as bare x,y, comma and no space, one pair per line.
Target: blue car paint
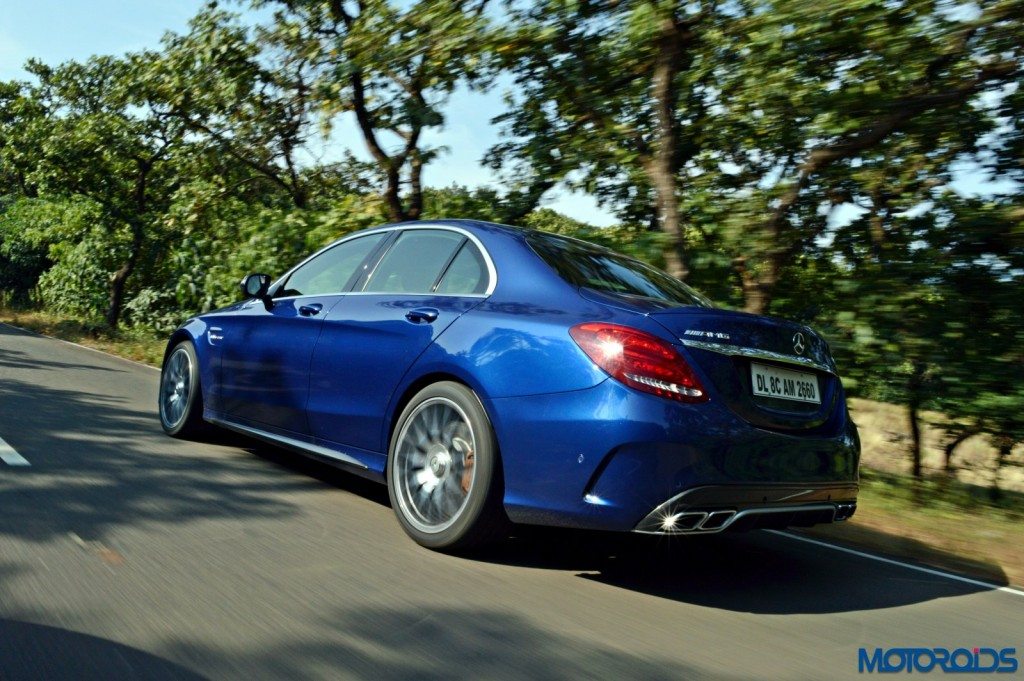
611,454
578,448
265,367
349,391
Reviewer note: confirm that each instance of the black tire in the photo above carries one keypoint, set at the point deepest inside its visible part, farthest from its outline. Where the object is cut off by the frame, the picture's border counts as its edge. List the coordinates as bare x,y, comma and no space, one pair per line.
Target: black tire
180,399
448,455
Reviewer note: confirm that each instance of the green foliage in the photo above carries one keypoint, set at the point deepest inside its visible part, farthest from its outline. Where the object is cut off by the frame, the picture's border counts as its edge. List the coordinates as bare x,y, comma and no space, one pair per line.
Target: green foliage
22,260
635,241
77,284
461,202
38,248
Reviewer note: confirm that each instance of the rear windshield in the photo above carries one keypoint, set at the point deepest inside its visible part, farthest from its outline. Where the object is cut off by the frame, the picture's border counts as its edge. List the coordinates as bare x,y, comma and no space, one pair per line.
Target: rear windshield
600,269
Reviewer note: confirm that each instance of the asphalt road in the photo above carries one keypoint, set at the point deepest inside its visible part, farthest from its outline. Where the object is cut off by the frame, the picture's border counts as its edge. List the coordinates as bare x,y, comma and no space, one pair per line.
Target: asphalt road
126,554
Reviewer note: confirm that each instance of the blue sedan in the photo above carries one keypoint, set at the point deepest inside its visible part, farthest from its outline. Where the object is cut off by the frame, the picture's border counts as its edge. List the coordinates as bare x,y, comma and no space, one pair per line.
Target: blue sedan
490,374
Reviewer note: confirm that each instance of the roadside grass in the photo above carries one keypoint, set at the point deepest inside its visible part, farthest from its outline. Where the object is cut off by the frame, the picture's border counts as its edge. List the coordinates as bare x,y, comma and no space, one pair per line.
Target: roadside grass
939,522
885,444
947,521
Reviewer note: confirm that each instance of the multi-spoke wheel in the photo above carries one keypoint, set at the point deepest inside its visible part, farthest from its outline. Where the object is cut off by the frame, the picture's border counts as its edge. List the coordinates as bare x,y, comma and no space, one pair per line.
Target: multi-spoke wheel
443,474
180,400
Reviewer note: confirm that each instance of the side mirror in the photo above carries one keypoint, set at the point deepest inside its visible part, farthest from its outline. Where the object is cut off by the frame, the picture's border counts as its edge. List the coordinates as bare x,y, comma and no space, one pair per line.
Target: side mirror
256,286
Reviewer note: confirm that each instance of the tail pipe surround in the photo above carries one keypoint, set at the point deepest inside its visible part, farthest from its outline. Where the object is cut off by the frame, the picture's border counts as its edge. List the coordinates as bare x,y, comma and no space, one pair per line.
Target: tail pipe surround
669,519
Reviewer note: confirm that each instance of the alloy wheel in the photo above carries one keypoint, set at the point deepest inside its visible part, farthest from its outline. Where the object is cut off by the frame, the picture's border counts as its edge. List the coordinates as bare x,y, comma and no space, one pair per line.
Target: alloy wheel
434,469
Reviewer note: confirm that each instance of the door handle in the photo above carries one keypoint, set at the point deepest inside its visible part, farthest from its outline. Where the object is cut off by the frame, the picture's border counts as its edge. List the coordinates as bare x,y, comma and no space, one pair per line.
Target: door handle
422,315
310,310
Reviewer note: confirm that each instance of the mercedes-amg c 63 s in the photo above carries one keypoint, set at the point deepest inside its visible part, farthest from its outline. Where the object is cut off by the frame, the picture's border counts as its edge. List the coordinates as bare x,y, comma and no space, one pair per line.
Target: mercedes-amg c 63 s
489,374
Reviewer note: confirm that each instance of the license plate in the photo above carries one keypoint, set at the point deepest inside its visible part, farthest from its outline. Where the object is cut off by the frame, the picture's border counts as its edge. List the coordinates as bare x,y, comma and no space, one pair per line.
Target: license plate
784,384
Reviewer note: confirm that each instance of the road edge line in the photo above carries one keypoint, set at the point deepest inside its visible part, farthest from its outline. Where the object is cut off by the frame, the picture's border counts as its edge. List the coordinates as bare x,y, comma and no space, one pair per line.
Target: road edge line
900,563
79,345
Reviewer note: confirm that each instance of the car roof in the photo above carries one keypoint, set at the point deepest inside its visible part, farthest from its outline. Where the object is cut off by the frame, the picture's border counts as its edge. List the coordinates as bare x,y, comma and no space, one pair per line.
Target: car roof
481,225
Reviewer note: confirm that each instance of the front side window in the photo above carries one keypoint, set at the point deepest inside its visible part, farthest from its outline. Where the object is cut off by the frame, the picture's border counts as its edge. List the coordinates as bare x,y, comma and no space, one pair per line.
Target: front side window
332,270
589,266
414,262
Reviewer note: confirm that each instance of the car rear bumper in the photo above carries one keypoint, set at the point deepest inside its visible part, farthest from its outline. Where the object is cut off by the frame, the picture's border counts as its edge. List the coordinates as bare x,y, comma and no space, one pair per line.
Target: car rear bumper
609,458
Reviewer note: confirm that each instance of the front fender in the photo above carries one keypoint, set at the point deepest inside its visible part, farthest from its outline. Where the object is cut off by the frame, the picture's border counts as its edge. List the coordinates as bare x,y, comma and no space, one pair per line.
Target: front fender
197,330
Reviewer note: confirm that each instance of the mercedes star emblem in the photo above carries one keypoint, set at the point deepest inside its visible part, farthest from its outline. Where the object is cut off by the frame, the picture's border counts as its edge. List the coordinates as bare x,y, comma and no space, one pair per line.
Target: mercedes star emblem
798,343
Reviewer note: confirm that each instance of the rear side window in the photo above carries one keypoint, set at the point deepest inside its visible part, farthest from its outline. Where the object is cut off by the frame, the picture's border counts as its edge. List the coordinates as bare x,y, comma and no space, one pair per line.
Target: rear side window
414,262
601,269
467,275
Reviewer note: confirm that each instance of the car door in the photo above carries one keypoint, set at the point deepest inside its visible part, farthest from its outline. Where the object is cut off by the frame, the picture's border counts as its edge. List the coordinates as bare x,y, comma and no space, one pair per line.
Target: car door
266,347
424,281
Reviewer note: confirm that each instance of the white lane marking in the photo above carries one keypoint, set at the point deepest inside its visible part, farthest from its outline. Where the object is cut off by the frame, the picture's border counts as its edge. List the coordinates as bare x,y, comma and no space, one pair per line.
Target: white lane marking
909,566
11,457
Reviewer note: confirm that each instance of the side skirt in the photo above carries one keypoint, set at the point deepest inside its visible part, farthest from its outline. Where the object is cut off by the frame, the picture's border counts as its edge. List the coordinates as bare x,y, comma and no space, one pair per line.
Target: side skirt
290,443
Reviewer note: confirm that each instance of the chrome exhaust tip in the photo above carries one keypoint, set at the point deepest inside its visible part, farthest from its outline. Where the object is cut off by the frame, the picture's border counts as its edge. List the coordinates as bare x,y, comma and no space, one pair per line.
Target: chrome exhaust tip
845,510
718,520
666,519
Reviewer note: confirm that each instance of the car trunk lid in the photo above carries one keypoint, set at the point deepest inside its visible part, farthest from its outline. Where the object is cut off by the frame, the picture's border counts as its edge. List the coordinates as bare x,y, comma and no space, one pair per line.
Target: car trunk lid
774,373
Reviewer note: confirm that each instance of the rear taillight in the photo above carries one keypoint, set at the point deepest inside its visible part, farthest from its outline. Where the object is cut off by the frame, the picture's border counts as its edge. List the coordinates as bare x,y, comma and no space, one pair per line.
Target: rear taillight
639,360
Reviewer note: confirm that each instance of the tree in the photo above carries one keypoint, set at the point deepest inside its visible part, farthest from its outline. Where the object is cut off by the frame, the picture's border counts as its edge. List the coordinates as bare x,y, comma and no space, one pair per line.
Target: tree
17,109
613,98
97,138
934,321
822,92
392,68
981,376
247,93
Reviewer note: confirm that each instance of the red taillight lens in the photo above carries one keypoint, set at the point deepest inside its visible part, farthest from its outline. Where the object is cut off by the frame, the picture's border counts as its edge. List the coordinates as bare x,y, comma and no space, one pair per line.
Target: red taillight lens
639,360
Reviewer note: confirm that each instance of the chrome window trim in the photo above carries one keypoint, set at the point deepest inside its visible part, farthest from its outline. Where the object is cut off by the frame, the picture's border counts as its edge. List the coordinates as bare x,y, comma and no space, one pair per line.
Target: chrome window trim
378,293
492,272
757,353
351,237
288,442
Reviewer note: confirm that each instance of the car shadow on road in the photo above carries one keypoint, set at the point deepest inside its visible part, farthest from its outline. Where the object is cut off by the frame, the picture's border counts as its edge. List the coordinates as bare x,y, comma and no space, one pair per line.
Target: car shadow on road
758,572
309,467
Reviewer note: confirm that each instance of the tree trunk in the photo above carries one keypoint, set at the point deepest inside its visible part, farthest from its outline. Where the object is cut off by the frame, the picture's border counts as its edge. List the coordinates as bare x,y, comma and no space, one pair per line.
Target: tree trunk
1004,446
947,464
119,280
758,291
392,170
914,388
755,298
876,223
415,208
915,439
661,169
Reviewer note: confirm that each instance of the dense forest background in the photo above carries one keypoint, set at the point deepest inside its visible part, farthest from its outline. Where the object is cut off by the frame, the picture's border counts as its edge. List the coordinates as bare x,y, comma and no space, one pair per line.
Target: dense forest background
789,157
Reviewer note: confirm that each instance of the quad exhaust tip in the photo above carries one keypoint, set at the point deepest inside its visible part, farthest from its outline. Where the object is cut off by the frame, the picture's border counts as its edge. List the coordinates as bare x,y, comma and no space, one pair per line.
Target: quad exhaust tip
696,521
700,521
